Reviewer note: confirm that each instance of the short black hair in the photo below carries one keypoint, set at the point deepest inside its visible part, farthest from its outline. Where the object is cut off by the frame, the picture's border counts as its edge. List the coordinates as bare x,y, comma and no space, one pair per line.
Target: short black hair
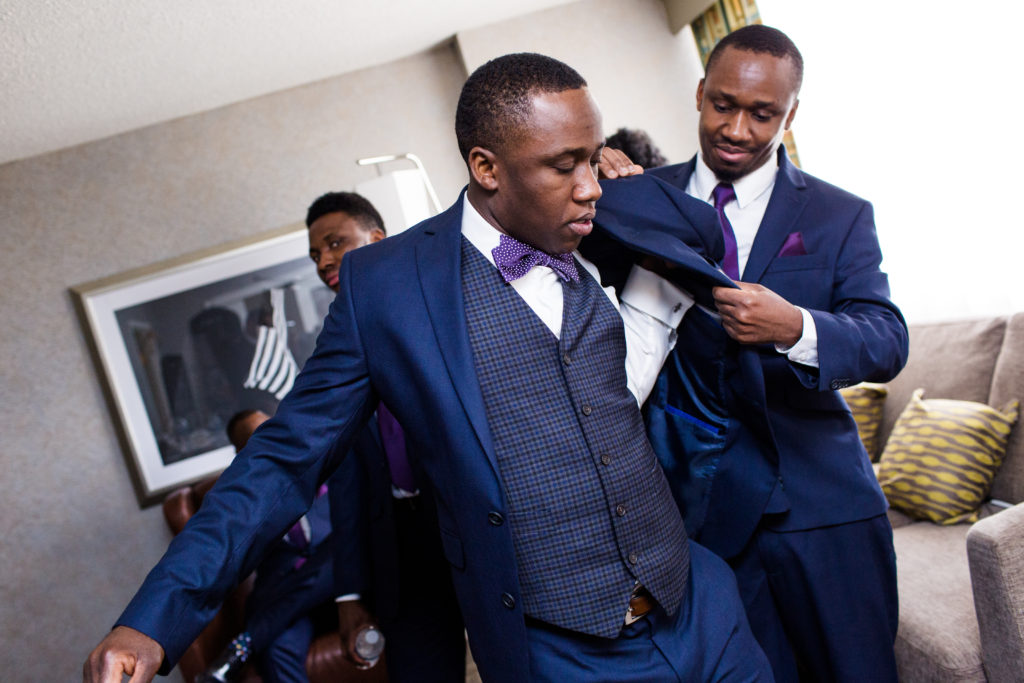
495,99
761,39
638,146
355,205
233,423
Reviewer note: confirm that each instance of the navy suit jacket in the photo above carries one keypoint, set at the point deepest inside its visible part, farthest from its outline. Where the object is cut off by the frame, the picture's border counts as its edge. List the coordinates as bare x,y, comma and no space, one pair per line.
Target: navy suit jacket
396,332
365,548
802,445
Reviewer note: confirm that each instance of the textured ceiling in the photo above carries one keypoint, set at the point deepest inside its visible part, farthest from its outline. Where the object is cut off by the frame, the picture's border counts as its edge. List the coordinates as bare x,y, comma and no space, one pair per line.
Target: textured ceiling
72,71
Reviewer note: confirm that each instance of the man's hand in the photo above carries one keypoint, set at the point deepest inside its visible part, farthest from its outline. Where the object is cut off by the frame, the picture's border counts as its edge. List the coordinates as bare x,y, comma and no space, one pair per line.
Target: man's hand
615,164
754,314
123,651
352,617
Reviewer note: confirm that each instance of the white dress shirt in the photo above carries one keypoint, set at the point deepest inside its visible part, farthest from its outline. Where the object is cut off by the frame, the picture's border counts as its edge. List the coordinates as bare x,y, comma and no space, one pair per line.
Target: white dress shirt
650,306
745,215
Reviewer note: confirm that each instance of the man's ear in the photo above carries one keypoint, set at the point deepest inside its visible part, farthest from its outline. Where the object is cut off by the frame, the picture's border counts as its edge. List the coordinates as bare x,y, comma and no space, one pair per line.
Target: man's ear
483,168
700,94
792,113
376,235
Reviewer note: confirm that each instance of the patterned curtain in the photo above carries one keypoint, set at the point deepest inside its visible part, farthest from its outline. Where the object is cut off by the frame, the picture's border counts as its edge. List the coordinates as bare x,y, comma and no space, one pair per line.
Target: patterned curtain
719,20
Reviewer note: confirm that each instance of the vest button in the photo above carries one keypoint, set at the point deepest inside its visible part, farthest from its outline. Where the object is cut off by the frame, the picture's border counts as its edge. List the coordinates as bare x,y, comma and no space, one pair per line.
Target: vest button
620,510
508,601
586,410
565,358
633,559
606,459
495,518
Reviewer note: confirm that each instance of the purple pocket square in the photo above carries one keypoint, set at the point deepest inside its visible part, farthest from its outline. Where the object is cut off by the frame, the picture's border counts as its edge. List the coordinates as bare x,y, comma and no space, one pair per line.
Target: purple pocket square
793,246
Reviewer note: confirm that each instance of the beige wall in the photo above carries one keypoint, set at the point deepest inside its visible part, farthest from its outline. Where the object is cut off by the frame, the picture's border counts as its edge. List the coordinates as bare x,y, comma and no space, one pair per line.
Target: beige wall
641,75
75,544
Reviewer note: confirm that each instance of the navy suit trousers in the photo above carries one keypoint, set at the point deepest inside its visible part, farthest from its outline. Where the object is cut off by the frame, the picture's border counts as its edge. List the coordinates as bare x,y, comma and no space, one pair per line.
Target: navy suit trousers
708,639
797,586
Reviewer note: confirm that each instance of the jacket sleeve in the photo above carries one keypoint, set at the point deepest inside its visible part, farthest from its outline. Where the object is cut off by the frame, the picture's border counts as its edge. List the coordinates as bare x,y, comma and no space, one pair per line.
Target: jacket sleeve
268,486
862,337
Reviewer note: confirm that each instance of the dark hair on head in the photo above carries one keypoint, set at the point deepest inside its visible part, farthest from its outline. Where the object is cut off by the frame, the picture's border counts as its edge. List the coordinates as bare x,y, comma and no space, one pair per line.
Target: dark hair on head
233,424
495,99
638,146
761,39
355,205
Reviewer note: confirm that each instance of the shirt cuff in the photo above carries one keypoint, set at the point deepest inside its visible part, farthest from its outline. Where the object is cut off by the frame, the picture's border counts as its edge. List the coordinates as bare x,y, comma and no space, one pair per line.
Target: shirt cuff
655,296
348,597
805,351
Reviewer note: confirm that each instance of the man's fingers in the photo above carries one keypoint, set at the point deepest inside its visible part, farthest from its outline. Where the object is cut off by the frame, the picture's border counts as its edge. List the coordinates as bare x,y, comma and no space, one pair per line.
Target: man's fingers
615,164
143,671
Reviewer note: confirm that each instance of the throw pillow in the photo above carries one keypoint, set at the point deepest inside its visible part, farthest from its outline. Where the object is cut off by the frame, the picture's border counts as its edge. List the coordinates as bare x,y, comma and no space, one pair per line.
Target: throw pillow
942,455
866,401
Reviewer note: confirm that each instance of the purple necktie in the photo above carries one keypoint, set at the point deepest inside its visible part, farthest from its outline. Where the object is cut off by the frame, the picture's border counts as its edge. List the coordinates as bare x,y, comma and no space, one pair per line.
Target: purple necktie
723,194
297,534
393,441
514,260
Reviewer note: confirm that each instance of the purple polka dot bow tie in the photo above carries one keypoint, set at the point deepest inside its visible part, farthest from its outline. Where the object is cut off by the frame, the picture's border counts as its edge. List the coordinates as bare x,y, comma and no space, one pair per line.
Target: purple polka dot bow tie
515,259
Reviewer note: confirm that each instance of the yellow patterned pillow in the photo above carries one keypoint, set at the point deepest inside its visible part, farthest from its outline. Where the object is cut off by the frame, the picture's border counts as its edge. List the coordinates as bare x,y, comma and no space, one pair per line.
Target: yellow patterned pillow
942,456
866,401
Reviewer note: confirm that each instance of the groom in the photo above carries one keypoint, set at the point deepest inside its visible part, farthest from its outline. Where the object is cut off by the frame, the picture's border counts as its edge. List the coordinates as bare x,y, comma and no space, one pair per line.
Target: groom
511,369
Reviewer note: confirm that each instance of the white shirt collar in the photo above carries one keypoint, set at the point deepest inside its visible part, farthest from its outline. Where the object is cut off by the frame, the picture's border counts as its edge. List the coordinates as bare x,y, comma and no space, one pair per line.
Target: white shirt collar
475,228
748,188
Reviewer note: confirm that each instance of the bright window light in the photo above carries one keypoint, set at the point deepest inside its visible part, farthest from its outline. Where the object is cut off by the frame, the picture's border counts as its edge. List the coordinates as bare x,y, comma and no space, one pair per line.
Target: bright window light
919,108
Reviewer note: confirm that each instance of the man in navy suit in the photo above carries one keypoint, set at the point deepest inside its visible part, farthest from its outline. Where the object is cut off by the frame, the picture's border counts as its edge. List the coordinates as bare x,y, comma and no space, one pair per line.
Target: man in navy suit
772,477
505,361
388,567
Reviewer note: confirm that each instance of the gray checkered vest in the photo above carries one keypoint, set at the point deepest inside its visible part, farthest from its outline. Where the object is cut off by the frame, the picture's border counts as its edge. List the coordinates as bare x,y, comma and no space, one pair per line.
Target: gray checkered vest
590,509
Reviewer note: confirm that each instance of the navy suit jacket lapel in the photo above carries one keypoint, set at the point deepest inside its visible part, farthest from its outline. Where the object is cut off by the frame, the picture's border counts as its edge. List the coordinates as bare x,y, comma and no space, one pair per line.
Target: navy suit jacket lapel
439,265
680,177
784,208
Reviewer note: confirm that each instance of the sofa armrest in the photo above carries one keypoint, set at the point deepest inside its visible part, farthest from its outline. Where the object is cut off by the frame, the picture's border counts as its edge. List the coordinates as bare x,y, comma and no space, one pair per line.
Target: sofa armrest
995,552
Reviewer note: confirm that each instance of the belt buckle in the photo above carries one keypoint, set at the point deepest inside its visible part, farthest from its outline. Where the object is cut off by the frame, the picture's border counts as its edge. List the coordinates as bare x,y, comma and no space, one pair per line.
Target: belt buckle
639,604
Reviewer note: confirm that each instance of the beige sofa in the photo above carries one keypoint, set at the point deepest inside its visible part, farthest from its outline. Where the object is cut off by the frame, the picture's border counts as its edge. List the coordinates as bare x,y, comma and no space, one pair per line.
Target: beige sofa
961,587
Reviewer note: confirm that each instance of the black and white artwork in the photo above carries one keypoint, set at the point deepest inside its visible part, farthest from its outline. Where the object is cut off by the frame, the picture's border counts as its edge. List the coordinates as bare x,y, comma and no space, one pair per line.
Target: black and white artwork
182,346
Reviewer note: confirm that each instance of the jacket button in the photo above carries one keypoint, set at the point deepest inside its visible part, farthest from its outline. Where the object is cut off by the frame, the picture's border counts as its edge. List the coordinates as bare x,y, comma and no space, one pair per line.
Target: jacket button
586,409
606,459
620,510
495,518
565,358
508,601
633,559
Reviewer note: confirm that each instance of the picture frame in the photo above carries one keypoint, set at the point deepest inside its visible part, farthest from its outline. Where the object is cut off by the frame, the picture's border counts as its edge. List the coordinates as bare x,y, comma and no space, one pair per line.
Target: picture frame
182,345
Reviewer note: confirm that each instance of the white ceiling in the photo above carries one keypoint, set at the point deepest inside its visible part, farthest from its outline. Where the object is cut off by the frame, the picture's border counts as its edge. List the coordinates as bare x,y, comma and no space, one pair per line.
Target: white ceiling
72,71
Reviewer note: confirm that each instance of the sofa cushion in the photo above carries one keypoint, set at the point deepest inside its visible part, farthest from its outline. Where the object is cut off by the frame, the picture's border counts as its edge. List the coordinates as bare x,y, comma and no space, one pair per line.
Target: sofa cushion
866,401
938,637
1008,384
951,360
942,456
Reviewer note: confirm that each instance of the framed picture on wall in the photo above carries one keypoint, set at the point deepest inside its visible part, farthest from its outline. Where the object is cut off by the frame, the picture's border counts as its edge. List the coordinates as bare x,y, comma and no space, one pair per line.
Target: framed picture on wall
182,346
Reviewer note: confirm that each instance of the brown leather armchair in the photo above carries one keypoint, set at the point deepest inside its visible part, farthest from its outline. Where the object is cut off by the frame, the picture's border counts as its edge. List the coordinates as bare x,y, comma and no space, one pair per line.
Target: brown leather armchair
324,663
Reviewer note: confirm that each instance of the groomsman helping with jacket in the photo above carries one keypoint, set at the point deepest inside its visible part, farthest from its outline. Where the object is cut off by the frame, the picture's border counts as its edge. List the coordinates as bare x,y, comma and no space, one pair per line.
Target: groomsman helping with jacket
782,488
505,362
